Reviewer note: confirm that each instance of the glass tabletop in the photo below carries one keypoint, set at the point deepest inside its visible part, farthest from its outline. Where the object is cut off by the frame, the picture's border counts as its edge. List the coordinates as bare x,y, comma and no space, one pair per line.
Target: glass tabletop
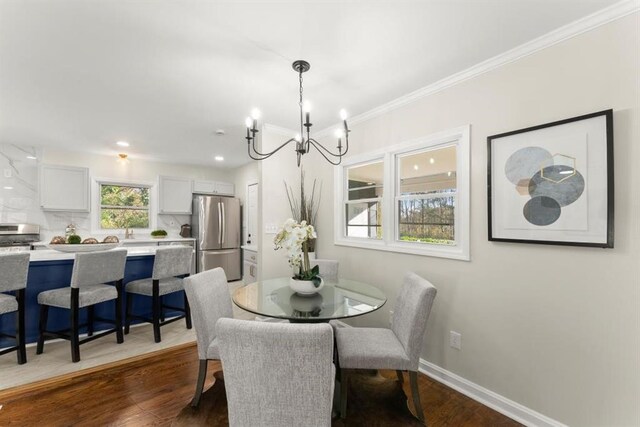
336,300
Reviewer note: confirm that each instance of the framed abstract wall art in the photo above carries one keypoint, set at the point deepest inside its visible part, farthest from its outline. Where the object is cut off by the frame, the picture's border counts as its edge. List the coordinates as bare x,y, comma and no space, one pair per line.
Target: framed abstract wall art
553,183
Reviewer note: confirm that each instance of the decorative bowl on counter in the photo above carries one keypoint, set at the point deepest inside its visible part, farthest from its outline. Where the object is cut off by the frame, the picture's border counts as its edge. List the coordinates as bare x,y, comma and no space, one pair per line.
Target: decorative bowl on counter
83,248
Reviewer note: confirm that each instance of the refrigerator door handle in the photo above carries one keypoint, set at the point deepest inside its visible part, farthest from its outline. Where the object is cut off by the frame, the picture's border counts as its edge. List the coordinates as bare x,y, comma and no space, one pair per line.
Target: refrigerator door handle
219,224
224,222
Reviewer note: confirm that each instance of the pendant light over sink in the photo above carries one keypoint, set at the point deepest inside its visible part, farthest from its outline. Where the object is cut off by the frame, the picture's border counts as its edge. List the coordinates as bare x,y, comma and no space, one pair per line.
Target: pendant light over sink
303,143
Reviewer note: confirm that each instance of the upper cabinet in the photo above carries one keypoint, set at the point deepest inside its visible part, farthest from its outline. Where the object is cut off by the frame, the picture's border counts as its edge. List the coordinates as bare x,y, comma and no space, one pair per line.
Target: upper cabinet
64,188
213,187
174,195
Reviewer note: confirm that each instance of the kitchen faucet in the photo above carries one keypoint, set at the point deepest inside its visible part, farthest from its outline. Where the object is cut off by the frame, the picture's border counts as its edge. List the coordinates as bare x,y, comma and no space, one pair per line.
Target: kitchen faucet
128,233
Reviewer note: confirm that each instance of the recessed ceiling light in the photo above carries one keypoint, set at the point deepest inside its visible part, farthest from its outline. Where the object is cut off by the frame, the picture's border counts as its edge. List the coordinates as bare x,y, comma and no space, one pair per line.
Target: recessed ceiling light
32,158
8,188
432,160
370,183
415,167
220,132
449,173
219,158
122,143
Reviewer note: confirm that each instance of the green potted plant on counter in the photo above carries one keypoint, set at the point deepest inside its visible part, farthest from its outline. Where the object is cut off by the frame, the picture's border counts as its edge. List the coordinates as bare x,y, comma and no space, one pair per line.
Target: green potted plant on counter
294,238
158,234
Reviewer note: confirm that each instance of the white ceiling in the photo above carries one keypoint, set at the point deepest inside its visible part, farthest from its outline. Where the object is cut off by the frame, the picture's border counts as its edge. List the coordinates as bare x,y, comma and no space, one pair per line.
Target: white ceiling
164,75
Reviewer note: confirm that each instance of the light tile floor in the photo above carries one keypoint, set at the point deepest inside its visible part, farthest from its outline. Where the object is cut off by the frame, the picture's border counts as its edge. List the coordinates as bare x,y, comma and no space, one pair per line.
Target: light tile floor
56,359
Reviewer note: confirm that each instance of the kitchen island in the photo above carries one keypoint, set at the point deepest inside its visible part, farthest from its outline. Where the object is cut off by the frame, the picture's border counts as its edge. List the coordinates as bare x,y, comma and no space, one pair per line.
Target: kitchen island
50,269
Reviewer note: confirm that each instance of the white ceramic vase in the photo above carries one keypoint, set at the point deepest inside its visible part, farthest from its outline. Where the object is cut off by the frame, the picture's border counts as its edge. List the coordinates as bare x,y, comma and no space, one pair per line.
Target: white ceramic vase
305,287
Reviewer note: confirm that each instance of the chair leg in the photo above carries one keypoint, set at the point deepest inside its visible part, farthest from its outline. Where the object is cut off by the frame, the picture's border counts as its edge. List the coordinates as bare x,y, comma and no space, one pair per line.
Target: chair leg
344,382
157,308
119,336
90,318
44,314
202,374
187,311
75,326
162,318
413,377
20,331
400,376
127,313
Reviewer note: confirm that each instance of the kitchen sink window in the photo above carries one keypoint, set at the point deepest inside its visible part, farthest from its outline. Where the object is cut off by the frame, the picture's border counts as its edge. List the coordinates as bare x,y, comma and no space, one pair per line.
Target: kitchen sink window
124,206
412,197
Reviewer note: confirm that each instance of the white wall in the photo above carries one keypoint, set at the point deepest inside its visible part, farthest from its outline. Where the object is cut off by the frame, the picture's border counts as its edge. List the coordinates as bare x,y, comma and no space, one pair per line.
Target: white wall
22,203
556,329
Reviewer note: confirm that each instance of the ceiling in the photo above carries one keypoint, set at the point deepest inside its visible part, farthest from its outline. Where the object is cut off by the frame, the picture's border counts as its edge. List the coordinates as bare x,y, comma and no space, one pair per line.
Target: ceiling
165,75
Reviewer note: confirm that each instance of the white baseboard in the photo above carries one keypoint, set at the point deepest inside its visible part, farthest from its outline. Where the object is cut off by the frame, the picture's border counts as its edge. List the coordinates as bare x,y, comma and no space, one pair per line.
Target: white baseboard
493,400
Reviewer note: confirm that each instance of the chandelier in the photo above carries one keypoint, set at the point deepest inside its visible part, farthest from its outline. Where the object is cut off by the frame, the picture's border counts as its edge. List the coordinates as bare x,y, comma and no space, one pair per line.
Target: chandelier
303,143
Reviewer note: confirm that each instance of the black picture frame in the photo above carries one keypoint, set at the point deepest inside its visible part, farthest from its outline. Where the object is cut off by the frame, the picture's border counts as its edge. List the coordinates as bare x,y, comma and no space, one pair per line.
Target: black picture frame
537,220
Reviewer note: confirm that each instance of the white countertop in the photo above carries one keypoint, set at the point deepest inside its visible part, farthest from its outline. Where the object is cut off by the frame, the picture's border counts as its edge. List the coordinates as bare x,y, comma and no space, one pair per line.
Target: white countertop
136,240
253,248
53,255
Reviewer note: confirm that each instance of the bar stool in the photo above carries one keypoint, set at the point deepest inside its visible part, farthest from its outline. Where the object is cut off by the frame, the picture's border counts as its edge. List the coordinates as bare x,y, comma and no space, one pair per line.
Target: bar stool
91,272
169,263
13,277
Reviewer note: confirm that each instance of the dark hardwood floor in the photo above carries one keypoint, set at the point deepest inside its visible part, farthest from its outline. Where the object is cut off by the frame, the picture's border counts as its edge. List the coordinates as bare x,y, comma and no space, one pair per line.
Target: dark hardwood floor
151,390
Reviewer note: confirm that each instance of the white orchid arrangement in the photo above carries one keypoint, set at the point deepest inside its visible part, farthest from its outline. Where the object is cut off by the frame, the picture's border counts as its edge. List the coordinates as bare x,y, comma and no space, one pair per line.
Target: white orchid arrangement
294,237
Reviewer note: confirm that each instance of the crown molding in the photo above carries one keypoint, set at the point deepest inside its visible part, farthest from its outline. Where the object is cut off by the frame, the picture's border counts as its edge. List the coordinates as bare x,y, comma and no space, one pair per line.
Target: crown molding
575,28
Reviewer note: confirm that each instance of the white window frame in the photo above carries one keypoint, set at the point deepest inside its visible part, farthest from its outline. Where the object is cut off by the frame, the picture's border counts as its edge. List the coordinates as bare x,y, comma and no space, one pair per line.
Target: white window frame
95,202
458,137
346,201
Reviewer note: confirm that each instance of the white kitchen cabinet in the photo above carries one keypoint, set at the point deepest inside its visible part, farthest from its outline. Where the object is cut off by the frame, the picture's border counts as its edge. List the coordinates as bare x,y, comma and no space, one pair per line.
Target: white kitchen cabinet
174,195
250,267
64,188
224,188
213,187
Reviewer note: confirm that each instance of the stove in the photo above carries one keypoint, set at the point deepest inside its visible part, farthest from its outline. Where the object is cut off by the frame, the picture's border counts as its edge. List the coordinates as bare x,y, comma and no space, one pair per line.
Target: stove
18,237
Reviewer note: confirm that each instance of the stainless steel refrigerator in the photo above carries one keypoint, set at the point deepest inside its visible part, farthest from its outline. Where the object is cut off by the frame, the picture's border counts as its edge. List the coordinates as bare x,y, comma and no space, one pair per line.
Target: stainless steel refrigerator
216,224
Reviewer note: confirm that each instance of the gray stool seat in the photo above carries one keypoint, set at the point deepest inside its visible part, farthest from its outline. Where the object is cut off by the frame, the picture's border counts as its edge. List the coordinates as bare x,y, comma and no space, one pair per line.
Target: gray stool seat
89,277
8,303
169,265
371,348
14,268
145,286
87,295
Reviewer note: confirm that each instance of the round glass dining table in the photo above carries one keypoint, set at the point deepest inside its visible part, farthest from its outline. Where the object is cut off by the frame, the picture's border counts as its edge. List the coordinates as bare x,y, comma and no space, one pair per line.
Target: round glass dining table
336,300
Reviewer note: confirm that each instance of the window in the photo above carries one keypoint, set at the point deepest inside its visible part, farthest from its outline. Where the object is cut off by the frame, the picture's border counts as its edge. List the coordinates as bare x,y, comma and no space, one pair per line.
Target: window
411,197
124,206
427,196
363,204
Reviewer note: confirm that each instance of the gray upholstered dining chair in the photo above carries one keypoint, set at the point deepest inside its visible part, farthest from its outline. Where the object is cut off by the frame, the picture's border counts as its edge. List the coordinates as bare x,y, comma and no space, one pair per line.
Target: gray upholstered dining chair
210,300
91,273
328,268
14,268
277,374
169,263
396,348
